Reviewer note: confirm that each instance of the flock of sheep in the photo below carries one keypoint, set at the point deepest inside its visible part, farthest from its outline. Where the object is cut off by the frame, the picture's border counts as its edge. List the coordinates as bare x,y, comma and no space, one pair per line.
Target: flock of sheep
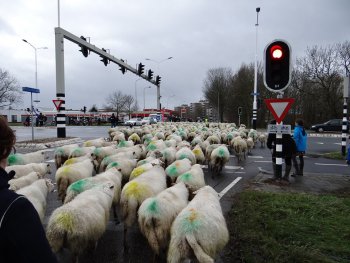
152,174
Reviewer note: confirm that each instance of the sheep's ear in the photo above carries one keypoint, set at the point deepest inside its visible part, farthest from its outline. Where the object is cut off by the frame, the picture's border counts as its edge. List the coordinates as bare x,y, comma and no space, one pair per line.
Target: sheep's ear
120,169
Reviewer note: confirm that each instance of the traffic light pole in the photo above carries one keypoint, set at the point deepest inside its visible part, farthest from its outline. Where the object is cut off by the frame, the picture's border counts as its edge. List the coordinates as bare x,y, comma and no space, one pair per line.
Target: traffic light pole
279,147
255,104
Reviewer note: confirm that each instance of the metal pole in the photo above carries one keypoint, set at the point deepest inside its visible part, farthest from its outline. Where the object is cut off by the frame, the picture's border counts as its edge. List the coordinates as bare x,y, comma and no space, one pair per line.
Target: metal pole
36,70
218,107
255,108
58,7
136,106
31,105
344,127
279,147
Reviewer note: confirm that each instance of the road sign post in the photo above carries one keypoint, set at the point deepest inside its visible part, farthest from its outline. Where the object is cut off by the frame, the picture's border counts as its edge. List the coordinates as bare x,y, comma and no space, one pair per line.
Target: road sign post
31,90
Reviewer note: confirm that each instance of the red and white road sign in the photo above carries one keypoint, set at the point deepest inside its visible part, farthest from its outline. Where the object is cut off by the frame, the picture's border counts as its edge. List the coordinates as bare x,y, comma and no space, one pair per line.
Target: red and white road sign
57,103
279,107
183,110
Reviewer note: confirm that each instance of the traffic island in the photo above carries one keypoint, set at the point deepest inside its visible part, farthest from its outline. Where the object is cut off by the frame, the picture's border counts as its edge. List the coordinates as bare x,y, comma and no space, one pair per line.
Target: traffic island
46,143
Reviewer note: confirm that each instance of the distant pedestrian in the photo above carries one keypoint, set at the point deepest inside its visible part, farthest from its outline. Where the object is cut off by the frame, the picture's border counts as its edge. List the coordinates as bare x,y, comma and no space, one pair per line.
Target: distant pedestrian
300,138
113,120
41,119
22,236
348,156
288,151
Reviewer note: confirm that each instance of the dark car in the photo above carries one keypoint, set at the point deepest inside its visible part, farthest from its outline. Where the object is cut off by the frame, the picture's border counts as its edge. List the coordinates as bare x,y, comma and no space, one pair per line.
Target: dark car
329,126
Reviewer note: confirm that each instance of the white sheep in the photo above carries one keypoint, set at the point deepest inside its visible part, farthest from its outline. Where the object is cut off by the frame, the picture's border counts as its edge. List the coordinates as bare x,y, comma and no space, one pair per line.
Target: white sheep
79,224
156,214
81,151
99,142
76,160
124,165
193,179
218,158
115,157
62,153
240,146
16,184
250,144
168,156
69,174
137,171
136,191
185,153
262,138
25,158
199,229
198,153
22,170
36,193
178,167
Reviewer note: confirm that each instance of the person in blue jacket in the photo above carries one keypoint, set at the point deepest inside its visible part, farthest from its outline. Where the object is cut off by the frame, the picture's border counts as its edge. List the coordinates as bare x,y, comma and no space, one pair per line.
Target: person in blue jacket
300,138
22,236
348,156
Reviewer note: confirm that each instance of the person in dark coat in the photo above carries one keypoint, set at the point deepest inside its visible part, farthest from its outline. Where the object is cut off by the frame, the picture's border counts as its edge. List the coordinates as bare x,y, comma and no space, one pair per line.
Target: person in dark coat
22,236
288,152
113,121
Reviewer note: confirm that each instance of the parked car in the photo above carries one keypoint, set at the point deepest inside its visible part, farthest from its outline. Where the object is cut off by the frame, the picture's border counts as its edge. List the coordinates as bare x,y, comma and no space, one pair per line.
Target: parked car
331,125
148,120
134,122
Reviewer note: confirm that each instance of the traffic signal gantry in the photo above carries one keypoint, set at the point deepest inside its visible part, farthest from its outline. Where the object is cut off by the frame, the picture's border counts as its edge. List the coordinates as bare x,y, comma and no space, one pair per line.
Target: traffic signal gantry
277,73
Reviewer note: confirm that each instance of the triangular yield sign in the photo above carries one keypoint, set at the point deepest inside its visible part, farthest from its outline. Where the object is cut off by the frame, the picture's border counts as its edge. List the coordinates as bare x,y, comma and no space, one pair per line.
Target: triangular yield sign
279,107
57,104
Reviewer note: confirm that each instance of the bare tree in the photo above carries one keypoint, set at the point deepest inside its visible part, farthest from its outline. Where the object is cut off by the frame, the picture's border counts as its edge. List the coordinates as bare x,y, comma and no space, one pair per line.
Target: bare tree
9,90
129,100
117,102
344,55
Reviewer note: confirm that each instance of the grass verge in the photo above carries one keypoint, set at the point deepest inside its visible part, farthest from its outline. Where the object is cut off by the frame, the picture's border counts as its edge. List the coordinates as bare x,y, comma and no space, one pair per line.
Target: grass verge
288,227
335,155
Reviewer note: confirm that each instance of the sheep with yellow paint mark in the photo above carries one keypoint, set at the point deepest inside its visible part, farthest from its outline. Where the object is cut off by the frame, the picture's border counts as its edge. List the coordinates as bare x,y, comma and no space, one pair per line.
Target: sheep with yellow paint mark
156,214
62,153
69,174
79,224
136,191
81,151
198,153
199,229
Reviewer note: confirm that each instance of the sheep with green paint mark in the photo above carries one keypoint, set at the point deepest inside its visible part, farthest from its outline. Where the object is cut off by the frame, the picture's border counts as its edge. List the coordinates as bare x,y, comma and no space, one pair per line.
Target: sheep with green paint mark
200,229
218,158
66,175
136,191
16,184
193,179
125,144
101,152
36,193
156,214
25,158
168,156
81,151
210,148
177,168
186,152
124,166
22,170
79,224
62,153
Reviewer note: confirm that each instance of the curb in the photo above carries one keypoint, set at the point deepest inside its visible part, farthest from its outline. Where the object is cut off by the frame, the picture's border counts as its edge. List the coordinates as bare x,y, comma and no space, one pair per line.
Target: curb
43,146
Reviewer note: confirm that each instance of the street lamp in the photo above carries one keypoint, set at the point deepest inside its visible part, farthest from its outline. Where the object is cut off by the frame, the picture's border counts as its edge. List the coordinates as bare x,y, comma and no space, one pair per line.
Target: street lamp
136,106
36,63
255,108
158,88
144,101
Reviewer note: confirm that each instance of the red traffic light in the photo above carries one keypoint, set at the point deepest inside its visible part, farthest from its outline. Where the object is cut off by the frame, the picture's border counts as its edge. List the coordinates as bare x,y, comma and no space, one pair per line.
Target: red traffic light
276,52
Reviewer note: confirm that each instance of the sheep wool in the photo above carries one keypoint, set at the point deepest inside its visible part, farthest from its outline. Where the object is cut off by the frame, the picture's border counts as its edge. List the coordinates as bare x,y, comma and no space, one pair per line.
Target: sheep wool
156,215
79,224
20,158
198,153
178,167
16,184
186,153
200,227
22,170
194,178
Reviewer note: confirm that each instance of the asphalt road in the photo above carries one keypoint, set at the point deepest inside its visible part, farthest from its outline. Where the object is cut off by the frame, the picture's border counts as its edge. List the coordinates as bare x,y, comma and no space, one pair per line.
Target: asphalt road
110,247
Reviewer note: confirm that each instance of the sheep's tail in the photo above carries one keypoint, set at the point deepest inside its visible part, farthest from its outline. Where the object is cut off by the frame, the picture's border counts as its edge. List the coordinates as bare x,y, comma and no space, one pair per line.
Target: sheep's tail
129,209
57,230
197,249
62,185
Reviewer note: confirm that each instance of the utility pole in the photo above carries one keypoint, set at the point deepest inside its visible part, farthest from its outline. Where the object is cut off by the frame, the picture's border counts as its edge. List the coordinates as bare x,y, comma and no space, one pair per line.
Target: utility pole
255,104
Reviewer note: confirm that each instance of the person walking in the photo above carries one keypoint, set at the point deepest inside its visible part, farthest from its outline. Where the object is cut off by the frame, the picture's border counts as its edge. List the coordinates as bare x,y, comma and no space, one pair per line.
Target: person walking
288,151
22,236
300,138
113,120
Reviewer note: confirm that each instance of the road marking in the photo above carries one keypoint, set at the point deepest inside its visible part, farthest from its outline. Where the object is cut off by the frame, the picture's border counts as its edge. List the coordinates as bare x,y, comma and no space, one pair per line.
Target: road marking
332,164
262,161
337,143
264,171
227,188
50,161
320,143
233,167
239,172
257,157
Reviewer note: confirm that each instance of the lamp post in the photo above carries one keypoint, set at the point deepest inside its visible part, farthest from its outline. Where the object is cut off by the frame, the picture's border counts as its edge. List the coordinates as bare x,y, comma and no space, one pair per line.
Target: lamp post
158,88
144,100
136,106
255,108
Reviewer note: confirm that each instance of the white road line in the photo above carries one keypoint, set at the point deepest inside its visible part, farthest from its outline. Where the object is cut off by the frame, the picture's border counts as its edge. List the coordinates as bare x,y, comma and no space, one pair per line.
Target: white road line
262,161
337,143
319,142
332,164
50,161
227,188
256,157
239,172
233,167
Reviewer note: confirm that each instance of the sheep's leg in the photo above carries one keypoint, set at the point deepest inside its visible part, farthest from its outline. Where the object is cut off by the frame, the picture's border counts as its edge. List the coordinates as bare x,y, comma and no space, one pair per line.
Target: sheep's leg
126,248
116,220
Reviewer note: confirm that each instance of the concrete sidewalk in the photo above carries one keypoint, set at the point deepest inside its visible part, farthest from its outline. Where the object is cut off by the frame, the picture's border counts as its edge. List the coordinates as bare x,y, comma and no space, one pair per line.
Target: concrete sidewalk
316,183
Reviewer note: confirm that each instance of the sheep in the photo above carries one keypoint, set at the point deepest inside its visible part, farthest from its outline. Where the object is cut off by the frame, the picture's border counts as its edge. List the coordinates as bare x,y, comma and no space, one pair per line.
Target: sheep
168,156
87,183
135,138
26,158
124,143
136,191
185,153
81,151
101,152
147,160
62,153
76,160
178,167
99,142
218,158
141,169
213,139
69,174
199,229
124,165
36,193
240,146
209,150
183,144
193,179
117,136
16,184
262,138
156,214
198,153
253,134
22,170
250,144
79,224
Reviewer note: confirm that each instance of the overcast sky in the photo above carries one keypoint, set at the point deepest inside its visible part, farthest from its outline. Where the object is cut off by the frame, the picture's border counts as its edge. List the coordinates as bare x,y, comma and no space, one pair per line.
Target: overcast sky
198,34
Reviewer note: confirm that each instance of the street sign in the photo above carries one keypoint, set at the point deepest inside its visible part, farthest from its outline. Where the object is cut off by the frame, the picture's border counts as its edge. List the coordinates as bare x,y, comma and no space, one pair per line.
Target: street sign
183,110
279,107
276,128
32,90
57,104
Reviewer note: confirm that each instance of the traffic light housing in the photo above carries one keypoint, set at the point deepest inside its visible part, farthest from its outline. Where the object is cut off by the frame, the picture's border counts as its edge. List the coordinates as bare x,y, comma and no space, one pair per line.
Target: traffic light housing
122,69
84,49
277,70
84,109
150,74
239,111
158,78
140,69
104,59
